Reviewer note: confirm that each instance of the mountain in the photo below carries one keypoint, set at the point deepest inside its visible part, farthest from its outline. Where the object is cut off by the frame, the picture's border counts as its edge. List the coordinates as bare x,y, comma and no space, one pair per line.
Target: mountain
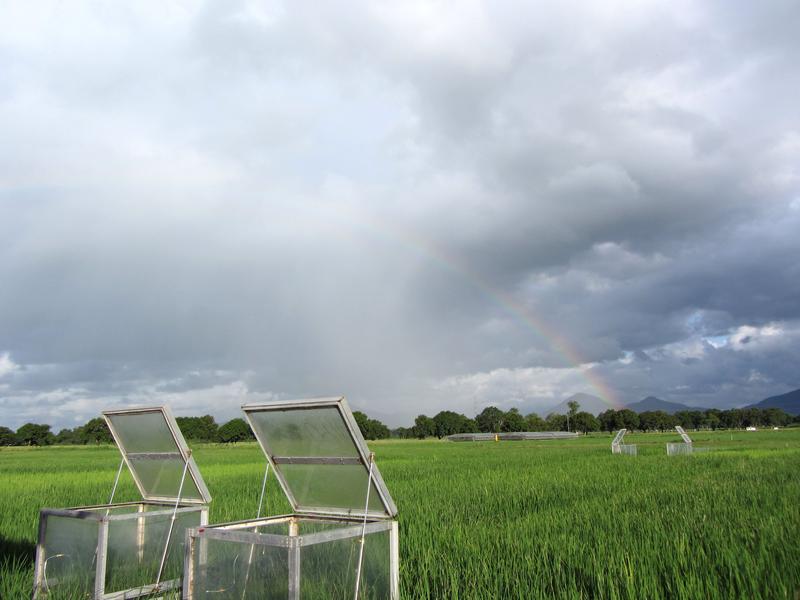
589,403
789,402
653,403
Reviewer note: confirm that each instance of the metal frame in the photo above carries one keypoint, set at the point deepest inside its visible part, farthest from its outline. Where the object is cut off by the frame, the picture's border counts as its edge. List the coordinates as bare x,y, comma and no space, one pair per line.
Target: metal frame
101,513
390,509
182,451
685,447
684,435
615,443
103,519
237,531
512,436
674,449
617,447
355,523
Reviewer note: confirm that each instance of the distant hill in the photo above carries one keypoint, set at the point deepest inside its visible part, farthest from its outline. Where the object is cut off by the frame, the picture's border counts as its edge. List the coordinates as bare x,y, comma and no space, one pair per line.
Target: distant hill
589,403
653,403
789,403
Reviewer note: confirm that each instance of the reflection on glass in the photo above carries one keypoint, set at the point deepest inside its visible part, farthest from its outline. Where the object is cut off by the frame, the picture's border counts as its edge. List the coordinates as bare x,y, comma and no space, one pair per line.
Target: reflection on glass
331,486
306,432
143,432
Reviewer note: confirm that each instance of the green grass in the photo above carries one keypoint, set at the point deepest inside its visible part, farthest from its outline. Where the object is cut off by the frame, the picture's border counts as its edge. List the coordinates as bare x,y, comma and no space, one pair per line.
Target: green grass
562,519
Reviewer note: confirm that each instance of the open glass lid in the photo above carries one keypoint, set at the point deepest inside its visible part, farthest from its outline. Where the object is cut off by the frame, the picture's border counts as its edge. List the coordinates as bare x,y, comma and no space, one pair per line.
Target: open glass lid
157,455
320,457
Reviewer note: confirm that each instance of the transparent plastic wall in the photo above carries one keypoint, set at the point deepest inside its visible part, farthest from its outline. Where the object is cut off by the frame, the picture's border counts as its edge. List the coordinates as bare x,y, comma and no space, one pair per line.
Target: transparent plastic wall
135,547
290,561
102,551
678,449
629,449
70,555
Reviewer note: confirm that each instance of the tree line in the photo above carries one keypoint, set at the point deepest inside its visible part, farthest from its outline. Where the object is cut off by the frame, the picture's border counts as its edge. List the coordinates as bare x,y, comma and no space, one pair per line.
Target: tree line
444,423
711,419
494,420
202,429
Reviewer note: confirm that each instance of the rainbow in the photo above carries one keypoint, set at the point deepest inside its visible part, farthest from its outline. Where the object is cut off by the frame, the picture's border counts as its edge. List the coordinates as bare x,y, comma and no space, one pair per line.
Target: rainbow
451,263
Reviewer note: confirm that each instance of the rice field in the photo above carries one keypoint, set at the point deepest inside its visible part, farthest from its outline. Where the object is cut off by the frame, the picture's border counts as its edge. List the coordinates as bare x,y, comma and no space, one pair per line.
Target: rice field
546,519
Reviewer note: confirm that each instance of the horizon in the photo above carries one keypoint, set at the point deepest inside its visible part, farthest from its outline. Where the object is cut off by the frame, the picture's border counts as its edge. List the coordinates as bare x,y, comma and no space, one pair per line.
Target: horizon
55,428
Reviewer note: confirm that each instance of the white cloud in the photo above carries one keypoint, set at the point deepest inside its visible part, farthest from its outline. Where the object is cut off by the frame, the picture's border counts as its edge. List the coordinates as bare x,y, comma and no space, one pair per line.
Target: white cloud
7,366
535,388
72,406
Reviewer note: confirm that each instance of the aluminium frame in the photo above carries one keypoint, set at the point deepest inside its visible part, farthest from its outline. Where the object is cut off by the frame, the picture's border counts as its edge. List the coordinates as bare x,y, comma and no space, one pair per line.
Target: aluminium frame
356,523
96,513
340,403
173,505
293,542
684,447
617,447
183,453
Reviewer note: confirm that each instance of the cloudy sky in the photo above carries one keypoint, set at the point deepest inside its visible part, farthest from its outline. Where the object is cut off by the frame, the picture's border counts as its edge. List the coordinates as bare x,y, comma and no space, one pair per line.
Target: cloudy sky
419,205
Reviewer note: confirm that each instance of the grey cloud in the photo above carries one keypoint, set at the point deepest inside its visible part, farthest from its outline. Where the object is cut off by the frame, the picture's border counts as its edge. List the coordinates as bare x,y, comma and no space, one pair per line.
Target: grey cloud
293,199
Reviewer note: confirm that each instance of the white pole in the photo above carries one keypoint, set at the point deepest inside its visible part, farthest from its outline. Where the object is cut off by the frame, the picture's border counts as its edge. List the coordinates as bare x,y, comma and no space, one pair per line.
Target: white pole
255,530
263,488
364,526
116,480
172,521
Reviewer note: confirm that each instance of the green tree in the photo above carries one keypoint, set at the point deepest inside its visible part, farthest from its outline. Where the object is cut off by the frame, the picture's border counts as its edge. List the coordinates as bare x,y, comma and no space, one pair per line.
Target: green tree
34,434
490,420
608,420
665,421
556,422
424,427
203,428
371,429
732,419
711,418
235,430
627,419
448,422
7,437
573,405
648,420
94,432
775,417
585,422
403,433
66,436
514,421
535,423
752,417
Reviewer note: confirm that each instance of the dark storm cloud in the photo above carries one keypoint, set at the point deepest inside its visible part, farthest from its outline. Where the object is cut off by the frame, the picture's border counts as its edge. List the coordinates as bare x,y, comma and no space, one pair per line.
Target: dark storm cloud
205,204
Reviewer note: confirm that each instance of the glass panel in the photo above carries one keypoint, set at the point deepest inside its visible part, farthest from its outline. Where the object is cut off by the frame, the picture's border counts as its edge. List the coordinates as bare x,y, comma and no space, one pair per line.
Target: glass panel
113,510
271,528
135,547
304,432
240,571
676,449
331,486
318,429
306,526
143,432
162,478
70,547
329,570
